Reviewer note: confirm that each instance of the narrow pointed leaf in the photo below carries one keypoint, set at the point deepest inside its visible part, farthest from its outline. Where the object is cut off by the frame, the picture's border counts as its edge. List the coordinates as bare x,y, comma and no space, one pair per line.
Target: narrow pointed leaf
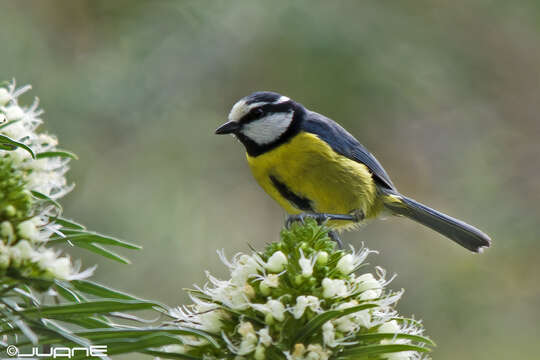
320,319
381,336
9,144
59,153
101,251
136,345
93,288
355,352
69,223
91,307
78,235
6,124
167,355
42,196
106,335
66,292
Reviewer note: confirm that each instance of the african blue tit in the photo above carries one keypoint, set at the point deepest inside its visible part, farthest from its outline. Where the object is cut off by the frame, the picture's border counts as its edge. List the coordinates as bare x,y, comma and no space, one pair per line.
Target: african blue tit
311,165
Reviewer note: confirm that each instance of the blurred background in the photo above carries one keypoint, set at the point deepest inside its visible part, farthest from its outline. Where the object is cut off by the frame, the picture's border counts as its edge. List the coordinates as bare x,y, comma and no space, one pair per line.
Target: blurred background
445,94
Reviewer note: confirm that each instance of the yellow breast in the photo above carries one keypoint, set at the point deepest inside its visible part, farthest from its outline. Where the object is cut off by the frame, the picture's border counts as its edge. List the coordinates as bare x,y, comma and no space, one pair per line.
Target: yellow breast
310,170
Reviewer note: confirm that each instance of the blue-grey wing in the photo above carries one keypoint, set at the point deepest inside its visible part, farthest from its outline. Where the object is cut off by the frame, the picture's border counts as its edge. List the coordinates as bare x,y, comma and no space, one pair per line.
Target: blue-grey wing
345,144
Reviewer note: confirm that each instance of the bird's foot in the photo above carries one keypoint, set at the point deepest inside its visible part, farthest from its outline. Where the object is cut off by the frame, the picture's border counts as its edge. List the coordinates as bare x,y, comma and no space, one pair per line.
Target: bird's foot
322,218
334,236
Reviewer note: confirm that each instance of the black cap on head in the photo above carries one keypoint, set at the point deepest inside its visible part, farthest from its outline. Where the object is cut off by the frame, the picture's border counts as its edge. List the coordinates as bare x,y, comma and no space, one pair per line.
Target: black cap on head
262,96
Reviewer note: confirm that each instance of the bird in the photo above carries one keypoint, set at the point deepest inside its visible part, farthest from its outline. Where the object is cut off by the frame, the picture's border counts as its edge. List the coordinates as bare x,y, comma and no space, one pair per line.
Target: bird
313,167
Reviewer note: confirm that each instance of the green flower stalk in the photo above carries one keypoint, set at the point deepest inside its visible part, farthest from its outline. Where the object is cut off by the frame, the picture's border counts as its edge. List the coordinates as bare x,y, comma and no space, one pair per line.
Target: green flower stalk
32,178
299,299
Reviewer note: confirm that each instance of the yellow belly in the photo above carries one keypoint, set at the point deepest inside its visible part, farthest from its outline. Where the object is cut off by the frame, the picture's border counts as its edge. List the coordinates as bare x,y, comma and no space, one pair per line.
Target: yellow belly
312,170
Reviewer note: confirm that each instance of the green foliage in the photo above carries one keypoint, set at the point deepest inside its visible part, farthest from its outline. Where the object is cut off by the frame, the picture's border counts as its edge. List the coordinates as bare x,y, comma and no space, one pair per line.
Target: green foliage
299,298
44,299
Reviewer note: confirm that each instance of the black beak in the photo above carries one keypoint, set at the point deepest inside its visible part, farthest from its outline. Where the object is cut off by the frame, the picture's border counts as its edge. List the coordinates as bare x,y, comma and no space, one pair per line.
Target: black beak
228,128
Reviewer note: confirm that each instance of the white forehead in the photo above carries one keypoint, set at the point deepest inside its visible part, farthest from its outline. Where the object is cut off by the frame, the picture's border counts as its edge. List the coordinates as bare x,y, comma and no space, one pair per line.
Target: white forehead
241,108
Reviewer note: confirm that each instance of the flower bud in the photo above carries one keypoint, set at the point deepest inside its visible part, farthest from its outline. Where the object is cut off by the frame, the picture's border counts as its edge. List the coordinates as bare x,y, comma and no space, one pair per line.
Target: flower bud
345,265
322,258
276,262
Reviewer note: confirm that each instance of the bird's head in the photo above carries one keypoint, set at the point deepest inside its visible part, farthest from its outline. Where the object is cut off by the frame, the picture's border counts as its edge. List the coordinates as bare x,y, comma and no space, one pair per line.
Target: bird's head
263,120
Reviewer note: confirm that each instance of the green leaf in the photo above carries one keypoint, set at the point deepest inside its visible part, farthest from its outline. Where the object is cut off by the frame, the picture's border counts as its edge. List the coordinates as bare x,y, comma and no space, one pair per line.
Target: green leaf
136,345
64,333
42,196
7,123
320,319
64,291
101,251
93,288
88,323
7,143
87,308
91,237
381,336
166,355
58,153
361,351
107,335
69,223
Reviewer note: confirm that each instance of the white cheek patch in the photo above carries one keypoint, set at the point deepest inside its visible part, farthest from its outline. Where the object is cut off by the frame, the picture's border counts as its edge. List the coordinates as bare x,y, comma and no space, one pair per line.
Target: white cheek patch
268,129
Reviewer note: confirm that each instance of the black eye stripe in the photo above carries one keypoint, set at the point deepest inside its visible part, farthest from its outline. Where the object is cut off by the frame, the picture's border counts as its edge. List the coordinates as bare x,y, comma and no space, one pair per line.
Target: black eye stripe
266,109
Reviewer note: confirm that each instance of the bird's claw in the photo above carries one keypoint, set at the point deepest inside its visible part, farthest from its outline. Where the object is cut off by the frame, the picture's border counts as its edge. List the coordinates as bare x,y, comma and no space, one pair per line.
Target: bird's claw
320,218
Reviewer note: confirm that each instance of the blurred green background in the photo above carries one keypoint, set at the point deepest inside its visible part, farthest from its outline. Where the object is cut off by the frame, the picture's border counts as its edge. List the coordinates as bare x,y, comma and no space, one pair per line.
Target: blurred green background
445,93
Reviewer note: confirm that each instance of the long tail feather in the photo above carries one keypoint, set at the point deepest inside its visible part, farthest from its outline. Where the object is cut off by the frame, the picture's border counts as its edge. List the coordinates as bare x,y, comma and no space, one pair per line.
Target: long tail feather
462,233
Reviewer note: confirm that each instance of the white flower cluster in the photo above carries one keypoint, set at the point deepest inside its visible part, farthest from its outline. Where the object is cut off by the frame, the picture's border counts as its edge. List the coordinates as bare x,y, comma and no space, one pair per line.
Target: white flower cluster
271,296
25,221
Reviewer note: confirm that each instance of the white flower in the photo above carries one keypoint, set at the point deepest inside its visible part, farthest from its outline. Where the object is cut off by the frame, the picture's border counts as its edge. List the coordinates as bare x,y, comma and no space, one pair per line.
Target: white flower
227,293
6,231
370,295
352,321
272,307
276,262
245,267
5,96
272,280
249,338
13,112
393,327
345,265
334,287
367,282
303,302
389,327
267,282
329,334
176,348
402,355
202,315
305,264
4,256
316,352
264,336
369,287
29,229
24,249
61,268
